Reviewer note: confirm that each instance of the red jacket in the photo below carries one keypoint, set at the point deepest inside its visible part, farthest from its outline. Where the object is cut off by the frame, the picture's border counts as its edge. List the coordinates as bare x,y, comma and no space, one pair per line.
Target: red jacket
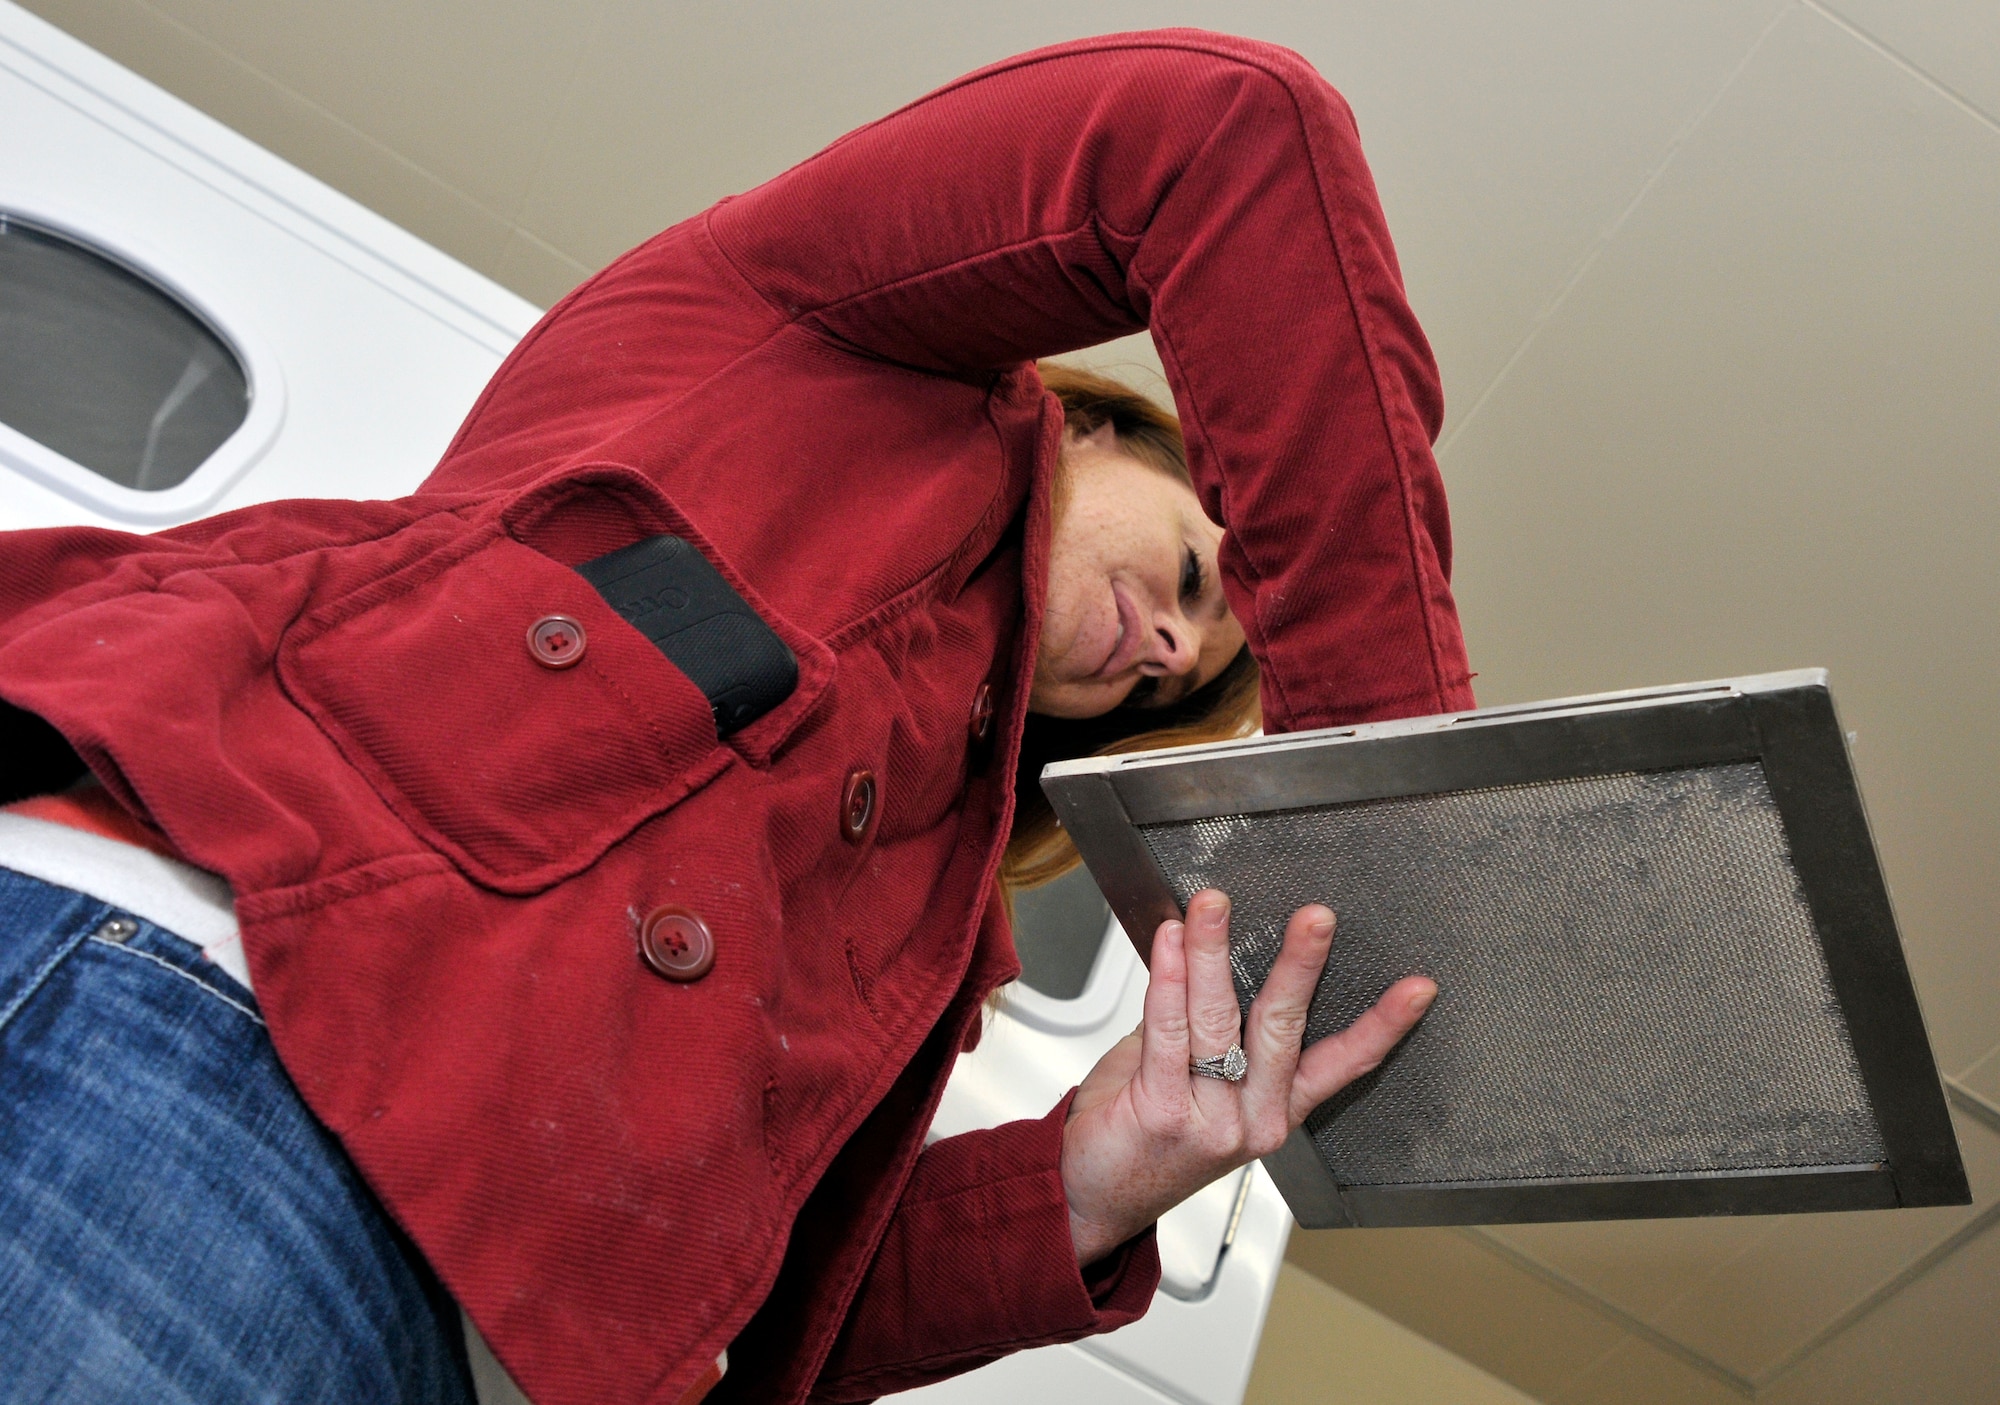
441,849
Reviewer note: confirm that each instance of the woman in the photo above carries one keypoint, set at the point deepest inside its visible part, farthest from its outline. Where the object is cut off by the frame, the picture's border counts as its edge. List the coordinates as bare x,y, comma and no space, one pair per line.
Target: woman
476,856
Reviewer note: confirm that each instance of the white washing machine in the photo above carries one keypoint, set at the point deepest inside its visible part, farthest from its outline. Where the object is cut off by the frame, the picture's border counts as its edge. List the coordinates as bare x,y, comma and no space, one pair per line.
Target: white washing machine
188,324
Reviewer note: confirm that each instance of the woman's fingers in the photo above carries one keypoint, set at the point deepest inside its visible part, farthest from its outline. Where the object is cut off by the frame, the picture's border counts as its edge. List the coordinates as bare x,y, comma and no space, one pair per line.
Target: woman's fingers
1163,1047
1278,1020
1214,1019
1339,1059
1144,1133
1110,1074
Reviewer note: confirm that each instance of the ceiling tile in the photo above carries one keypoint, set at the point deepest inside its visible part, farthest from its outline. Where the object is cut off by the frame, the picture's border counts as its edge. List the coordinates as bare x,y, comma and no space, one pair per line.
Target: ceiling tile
1454,1289
209,77
1796,1282
1983,1078
680,105
1935,1343
1637,1266
1505,140
464,89
1953,41
1638,1373
1759,435
1321,1347
534,270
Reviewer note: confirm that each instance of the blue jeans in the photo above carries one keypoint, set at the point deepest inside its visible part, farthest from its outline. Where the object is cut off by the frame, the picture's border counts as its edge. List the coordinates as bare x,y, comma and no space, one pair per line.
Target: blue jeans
174,1224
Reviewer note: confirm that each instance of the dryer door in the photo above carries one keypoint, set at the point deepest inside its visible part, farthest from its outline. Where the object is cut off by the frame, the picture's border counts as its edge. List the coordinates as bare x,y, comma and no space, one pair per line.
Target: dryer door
107,369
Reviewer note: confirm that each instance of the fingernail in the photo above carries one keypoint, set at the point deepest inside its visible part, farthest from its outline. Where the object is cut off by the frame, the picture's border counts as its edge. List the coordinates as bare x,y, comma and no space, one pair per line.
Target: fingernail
1172,930
1421,1001
1322,927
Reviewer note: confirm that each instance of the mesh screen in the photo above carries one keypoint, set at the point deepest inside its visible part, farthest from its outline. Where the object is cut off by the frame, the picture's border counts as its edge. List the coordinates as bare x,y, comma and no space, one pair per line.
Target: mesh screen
1629,979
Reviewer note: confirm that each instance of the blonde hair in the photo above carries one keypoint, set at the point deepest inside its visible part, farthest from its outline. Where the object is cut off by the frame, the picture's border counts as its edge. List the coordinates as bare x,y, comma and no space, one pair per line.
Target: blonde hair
1223,708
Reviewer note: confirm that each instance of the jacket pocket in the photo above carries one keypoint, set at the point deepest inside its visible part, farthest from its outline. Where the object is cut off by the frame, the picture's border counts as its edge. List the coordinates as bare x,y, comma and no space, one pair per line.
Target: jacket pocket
520,772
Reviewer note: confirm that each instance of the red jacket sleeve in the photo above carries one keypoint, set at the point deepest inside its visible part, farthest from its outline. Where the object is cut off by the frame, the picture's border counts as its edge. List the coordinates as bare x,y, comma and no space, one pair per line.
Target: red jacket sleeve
1212,189
978,1263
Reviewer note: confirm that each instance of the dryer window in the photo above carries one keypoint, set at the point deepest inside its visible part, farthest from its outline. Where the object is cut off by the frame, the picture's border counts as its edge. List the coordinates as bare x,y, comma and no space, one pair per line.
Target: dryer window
107,368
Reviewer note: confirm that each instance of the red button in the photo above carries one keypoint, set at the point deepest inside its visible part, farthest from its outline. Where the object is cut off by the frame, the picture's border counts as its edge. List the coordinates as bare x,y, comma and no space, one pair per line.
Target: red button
980,724
857,805
556,641
676,944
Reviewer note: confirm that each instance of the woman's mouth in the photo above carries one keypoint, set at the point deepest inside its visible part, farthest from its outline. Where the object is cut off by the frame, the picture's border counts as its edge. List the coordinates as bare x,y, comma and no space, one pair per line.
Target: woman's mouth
1130,642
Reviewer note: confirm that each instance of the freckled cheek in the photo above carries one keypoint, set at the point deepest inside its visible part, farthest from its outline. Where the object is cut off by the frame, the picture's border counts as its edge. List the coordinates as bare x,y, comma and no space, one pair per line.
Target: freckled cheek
1058,639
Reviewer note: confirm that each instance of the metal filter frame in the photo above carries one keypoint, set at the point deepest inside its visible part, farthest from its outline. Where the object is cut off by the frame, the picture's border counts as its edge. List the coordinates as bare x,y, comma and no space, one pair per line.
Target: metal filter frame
1784,721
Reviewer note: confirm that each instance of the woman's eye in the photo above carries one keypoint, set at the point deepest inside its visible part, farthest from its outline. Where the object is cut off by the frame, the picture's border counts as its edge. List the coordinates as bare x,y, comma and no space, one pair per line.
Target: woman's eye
1193,578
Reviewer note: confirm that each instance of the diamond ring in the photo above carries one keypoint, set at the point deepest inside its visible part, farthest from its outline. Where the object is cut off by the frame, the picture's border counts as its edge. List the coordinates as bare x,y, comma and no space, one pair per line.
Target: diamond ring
1229,1067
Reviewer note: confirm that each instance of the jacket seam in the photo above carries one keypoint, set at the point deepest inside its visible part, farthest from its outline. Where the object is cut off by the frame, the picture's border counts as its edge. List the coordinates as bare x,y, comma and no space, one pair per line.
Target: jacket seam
699,225
1164,342
152,577
1372,353
327,890
925,587
426,515
1047,237
535,334
730,264
983,1186
1370,350
838,1137
985,1353
1376,379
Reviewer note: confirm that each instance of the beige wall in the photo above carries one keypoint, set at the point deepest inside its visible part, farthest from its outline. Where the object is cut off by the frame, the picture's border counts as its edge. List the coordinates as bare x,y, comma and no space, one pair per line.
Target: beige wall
1715,289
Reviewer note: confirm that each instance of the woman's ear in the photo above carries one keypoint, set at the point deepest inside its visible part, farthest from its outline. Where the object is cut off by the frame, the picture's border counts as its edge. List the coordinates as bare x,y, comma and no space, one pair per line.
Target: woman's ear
1104,438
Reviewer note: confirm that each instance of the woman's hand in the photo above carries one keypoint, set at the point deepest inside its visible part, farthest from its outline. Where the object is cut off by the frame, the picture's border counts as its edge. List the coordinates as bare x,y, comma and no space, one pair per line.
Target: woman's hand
1144,1133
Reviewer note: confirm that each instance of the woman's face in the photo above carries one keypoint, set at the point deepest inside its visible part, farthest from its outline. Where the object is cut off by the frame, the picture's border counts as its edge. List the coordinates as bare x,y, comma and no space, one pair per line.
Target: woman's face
1135,605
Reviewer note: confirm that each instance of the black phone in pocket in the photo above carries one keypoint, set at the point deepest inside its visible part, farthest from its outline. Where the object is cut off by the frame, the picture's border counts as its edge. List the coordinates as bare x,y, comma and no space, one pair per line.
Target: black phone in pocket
669,592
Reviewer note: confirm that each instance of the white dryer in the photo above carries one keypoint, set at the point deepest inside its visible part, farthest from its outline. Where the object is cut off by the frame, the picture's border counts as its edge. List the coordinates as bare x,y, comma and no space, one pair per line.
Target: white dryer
188,324
193,324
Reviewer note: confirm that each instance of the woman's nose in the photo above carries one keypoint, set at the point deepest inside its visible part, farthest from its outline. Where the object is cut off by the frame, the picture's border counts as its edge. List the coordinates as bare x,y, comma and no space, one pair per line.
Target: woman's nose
1175,648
